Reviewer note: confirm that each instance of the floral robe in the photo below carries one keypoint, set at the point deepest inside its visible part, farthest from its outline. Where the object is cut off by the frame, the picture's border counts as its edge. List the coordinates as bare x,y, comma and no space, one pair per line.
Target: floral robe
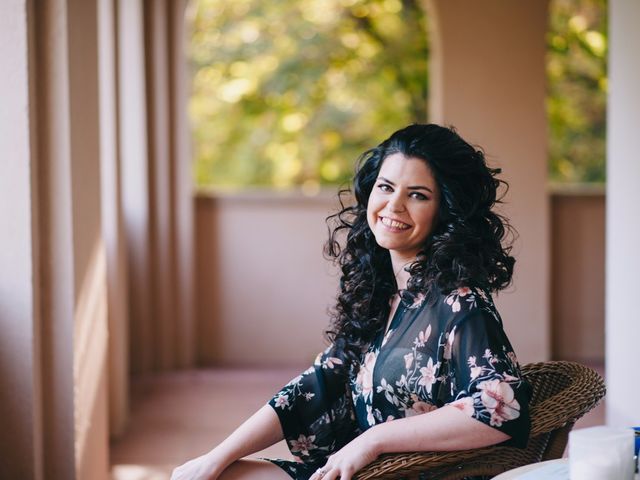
453,352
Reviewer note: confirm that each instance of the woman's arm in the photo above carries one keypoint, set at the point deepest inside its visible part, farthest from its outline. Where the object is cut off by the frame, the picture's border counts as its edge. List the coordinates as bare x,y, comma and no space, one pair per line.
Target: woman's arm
444,429
260,431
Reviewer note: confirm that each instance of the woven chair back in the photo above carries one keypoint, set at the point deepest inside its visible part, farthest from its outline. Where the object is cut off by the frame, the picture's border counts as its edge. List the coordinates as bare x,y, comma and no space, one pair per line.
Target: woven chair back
562,393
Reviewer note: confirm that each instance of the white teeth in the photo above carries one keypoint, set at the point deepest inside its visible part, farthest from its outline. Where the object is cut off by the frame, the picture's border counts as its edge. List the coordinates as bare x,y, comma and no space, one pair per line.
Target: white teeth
393,224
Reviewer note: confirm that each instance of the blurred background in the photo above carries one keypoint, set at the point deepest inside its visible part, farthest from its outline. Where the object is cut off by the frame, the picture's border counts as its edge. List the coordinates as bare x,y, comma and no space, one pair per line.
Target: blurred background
172,165
288,94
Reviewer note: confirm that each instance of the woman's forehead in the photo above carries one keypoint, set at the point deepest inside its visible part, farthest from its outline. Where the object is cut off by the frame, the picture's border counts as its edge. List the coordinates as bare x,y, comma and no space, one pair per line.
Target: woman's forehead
399,168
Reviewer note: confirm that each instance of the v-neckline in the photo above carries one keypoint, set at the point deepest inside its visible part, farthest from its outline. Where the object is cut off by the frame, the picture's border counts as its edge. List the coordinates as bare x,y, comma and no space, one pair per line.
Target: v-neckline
382,351
391,323
391,318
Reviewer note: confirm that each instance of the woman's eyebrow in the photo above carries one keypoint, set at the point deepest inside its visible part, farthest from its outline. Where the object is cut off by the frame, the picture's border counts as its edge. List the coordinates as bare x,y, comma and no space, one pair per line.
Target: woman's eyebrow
415,187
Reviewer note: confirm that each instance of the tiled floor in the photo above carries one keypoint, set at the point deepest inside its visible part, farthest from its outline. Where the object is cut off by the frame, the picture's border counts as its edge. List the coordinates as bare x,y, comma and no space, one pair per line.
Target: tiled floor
178,416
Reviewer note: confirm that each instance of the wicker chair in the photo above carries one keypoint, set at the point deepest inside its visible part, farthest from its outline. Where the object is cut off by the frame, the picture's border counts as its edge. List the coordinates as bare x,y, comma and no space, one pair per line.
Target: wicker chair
562,393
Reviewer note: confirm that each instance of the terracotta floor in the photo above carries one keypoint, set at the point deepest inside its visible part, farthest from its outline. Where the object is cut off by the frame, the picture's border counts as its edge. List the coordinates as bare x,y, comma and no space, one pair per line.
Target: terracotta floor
177,416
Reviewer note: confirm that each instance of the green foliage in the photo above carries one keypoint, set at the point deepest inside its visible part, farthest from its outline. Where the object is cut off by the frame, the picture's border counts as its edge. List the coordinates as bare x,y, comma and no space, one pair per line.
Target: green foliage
576,102
290,92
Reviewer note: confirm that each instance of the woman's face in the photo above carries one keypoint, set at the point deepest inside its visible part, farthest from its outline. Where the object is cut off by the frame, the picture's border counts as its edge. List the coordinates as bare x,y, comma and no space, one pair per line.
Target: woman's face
403,205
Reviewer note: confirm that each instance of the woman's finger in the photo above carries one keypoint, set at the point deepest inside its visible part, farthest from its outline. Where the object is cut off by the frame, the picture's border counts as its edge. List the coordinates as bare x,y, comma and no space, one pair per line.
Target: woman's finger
332,474
346,474
320,473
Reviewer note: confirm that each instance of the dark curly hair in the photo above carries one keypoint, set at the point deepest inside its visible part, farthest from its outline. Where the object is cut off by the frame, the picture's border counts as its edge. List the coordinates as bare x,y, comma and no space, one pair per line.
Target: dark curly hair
468,245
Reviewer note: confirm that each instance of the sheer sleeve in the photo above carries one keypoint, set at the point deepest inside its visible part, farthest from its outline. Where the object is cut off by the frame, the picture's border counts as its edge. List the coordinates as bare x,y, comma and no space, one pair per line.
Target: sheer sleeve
315,411
486,382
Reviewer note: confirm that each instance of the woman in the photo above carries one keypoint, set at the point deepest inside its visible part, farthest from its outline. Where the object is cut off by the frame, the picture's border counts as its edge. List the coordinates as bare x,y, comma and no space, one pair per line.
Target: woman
418,359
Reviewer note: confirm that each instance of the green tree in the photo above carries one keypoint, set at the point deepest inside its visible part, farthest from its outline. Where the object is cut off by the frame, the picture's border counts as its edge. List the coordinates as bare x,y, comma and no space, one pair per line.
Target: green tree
577,78
290,92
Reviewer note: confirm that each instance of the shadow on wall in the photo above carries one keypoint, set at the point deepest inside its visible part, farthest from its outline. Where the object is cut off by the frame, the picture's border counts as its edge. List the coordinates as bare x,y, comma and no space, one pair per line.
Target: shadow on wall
578,271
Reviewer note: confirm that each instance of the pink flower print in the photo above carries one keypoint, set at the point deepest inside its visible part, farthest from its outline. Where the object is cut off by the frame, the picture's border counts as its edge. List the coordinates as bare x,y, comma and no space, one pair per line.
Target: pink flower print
282,401
370,419
387,388
498,398
295,380
418,408
464,291
418,300
365,376
475,369
452,300
512,357
332,362
308,396
303,444
465,405
422,337
408,360
390,418
428,377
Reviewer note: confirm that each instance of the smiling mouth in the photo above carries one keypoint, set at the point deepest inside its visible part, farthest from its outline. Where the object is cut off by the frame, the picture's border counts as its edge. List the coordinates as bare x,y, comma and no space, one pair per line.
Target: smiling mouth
394,224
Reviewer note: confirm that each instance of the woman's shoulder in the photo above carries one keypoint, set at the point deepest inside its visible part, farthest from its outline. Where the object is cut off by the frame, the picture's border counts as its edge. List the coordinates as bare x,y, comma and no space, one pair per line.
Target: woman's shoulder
456,300
466,299
453,306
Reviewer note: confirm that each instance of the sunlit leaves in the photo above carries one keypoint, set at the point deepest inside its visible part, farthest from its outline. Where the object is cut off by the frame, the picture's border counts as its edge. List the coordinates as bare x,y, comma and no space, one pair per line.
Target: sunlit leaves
577,76
290,92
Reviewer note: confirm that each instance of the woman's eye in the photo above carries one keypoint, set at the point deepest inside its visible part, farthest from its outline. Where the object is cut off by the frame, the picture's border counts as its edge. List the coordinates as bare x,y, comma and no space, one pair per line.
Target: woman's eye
419,196
385,188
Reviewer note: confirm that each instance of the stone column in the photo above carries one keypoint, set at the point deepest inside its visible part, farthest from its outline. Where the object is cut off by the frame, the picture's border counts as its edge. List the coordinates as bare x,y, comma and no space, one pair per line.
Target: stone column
623,216
488,80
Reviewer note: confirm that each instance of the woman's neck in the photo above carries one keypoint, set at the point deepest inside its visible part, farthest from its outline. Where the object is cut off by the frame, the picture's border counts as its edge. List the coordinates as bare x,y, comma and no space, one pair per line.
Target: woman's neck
399,265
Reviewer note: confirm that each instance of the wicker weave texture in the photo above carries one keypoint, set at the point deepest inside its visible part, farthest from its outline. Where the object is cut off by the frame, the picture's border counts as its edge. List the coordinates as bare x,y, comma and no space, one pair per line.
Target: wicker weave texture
562,393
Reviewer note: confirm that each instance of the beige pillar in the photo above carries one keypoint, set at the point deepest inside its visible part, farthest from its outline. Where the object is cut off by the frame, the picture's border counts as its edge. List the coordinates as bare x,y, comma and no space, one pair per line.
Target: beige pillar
162,213
56,245
135,170
182,182
56,310
21,449
488,80
156,183
623,216
170,186
89,347
113,230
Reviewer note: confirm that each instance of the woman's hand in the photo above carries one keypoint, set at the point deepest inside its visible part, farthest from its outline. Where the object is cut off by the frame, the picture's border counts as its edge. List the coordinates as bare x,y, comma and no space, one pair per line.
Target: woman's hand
205,467
343,464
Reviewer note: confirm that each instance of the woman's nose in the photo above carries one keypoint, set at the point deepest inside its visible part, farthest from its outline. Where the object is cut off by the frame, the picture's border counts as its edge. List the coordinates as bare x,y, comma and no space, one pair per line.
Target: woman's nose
396,204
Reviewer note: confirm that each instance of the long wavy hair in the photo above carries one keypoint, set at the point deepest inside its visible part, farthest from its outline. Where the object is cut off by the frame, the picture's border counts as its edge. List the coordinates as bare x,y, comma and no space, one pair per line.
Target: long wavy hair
469,244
